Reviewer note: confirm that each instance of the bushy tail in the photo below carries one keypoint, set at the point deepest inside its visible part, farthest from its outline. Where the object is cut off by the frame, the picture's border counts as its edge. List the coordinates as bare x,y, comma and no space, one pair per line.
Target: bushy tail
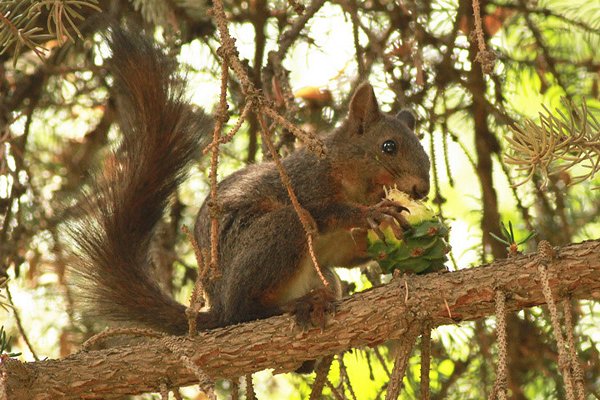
161,137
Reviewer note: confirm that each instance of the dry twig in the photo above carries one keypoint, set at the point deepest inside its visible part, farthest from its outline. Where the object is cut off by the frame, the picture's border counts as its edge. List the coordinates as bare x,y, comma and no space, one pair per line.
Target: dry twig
20,324
484,56
335,391
546,253
108,333
235,389
574,360
250,394
425,362
221,118
205,383
321,371
197,297
164,391
344,377
500,385
400,363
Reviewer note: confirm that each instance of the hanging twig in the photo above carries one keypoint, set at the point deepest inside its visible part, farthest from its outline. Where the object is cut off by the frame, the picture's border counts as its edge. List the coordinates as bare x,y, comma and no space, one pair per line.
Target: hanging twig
334,390
500,385
382,362
220,119
235,389
400,363
229,53
484,56
547,253
164,391
321,371
250,394
307,221
445,150
353,11
425,361
177,394
437,198
205,383
232,132
20,324
344,378
575,365
197,297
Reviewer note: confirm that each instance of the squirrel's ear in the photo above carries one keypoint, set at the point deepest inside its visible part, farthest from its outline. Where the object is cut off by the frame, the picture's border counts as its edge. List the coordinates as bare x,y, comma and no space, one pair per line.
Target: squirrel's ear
364,109
408,118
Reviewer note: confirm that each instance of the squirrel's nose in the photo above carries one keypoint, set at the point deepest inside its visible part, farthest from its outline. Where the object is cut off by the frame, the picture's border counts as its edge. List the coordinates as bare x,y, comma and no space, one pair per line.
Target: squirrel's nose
420,190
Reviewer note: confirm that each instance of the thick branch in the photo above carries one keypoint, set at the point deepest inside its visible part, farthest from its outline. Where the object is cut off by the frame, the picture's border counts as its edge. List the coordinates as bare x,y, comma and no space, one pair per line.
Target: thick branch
365,319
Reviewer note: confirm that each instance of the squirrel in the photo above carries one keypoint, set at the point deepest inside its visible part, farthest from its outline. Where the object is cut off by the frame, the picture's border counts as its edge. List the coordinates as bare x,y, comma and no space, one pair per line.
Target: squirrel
264,265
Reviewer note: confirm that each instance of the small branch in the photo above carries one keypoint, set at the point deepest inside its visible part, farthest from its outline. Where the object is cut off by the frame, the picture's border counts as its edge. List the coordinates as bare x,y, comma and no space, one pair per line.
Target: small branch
322,371
500,385
197,297
395,384
344,377
574,360
484,56
289,36
382,362
235,390
539,38
250,394
164,391
425,362
220,120
563,358
20,324
335,391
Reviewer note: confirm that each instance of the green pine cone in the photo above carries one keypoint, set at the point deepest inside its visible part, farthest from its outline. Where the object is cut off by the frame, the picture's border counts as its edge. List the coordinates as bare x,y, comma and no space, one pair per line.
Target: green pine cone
423,248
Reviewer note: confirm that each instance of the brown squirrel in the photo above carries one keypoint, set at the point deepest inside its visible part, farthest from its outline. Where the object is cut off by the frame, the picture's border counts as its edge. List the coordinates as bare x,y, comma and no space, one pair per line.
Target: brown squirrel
263,255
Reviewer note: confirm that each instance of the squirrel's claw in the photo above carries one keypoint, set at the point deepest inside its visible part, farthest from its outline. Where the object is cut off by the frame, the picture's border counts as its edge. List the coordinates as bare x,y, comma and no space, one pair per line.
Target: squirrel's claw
389,212
395,210
374,225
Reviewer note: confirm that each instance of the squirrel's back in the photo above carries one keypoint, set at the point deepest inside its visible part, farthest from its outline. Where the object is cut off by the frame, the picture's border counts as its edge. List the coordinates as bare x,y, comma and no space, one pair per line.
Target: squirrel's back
162,136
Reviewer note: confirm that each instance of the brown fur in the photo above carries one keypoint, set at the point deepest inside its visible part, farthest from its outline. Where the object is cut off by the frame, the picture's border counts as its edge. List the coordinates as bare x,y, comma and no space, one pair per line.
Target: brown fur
263,255
161,138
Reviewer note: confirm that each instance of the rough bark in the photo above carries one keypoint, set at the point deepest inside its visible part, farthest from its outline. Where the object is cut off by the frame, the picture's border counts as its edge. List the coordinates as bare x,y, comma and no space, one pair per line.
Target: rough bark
365,319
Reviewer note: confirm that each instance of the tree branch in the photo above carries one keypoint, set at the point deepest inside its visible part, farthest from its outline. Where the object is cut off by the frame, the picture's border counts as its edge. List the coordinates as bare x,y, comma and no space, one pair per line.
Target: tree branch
365,319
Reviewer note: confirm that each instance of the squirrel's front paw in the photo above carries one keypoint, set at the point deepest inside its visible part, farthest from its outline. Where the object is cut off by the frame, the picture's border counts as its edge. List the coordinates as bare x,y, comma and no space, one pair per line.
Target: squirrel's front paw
387,212
313,308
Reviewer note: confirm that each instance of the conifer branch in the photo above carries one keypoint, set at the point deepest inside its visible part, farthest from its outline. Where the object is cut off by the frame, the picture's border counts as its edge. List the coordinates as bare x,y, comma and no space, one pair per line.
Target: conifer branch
559,142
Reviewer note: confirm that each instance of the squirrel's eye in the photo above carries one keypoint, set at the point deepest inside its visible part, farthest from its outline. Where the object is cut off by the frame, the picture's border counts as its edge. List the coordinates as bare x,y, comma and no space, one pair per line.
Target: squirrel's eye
389,147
